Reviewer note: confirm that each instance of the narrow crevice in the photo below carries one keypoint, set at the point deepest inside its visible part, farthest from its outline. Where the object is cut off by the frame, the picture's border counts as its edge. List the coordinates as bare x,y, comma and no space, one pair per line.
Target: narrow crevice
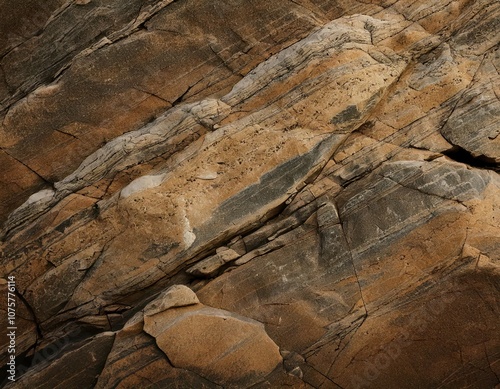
59,67
57,13
92,269
155,10
67,133
352,261
11,49
112,38
180,99
32,313
34,356
461,155
368,27
222,61
153,95
97,43
323,375
157,348
25,359
45,180
43,76
343,334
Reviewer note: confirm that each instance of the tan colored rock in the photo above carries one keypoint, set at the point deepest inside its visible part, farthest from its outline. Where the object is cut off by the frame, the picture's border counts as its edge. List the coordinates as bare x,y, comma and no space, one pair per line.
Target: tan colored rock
277,163
439,328
225,348
135,359
175,296
323,175
92,106
210,265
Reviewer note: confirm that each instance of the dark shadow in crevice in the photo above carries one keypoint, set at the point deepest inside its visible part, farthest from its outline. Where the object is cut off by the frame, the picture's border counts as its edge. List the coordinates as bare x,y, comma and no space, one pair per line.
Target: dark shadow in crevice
463,156
35,357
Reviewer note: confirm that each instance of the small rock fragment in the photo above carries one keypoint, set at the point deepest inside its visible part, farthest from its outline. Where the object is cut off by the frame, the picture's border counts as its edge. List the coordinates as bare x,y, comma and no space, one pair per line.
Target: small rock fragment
209,267
175,296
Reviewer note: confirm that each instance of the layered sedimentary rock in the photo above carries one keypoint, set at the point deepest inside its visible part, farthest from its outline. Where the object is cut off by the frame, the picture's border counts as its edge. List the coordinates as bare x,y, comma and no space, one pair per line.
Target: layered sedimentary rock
299,194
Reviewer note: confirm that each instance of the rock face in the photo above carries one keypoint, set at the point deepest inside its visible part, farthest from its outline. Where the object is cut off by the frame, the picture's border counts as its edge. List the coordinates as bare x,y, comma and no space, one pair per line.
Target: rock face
224,347
251,194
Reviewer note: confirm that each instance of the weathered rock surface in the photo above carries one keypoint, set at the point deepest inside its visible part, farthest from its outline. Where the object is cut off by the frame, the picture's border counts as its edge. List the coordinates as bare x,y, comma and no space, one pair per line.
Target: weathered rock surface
67,370
300,194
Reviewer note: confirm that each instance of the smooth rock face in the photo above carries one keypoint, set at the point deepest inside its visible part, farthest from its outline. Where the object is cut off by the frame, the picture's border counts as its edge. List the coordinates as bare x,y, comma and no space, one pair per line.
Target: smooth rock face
251,194
220,346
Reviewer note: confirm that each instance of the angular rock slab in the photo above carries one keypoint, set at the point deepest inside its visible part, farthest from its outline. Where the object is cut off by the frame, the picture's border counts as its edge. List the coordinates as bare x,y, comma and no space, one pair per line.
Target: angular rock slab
223,347
135,356
473,125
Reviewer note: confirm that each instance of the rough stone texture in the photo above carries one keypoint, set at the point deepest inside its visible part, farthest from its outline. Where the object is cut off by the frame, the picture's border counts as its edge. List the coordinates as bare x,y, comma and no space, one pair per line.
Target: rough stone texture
211,265
318,179
78,368
135,361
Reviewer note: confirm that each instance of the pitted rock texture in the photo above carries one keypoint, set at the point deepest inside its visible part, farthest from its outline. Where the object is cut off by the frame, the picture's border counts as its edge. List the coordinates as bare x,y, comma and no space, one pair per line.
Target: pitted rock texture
252,194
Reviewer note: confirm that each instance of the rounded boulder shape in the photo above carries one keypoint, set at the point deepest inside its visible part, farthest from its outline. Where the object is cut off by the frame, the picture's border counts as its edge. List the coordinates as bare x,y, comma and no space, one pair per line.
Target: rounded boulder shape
223,347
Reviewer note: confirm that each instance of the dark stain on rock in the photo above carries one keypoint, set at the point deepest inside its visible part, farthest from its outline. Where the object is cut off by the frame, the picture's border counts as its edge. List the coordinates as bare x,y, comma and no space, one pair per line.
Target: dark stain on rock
156,250
347,115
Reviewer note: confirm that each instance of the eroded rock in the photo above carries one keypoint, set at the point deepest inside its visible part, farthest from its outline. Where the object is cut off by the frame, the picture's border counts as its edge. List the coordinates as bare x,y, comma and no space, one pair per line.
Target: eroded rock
225,348
78,368
246,194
